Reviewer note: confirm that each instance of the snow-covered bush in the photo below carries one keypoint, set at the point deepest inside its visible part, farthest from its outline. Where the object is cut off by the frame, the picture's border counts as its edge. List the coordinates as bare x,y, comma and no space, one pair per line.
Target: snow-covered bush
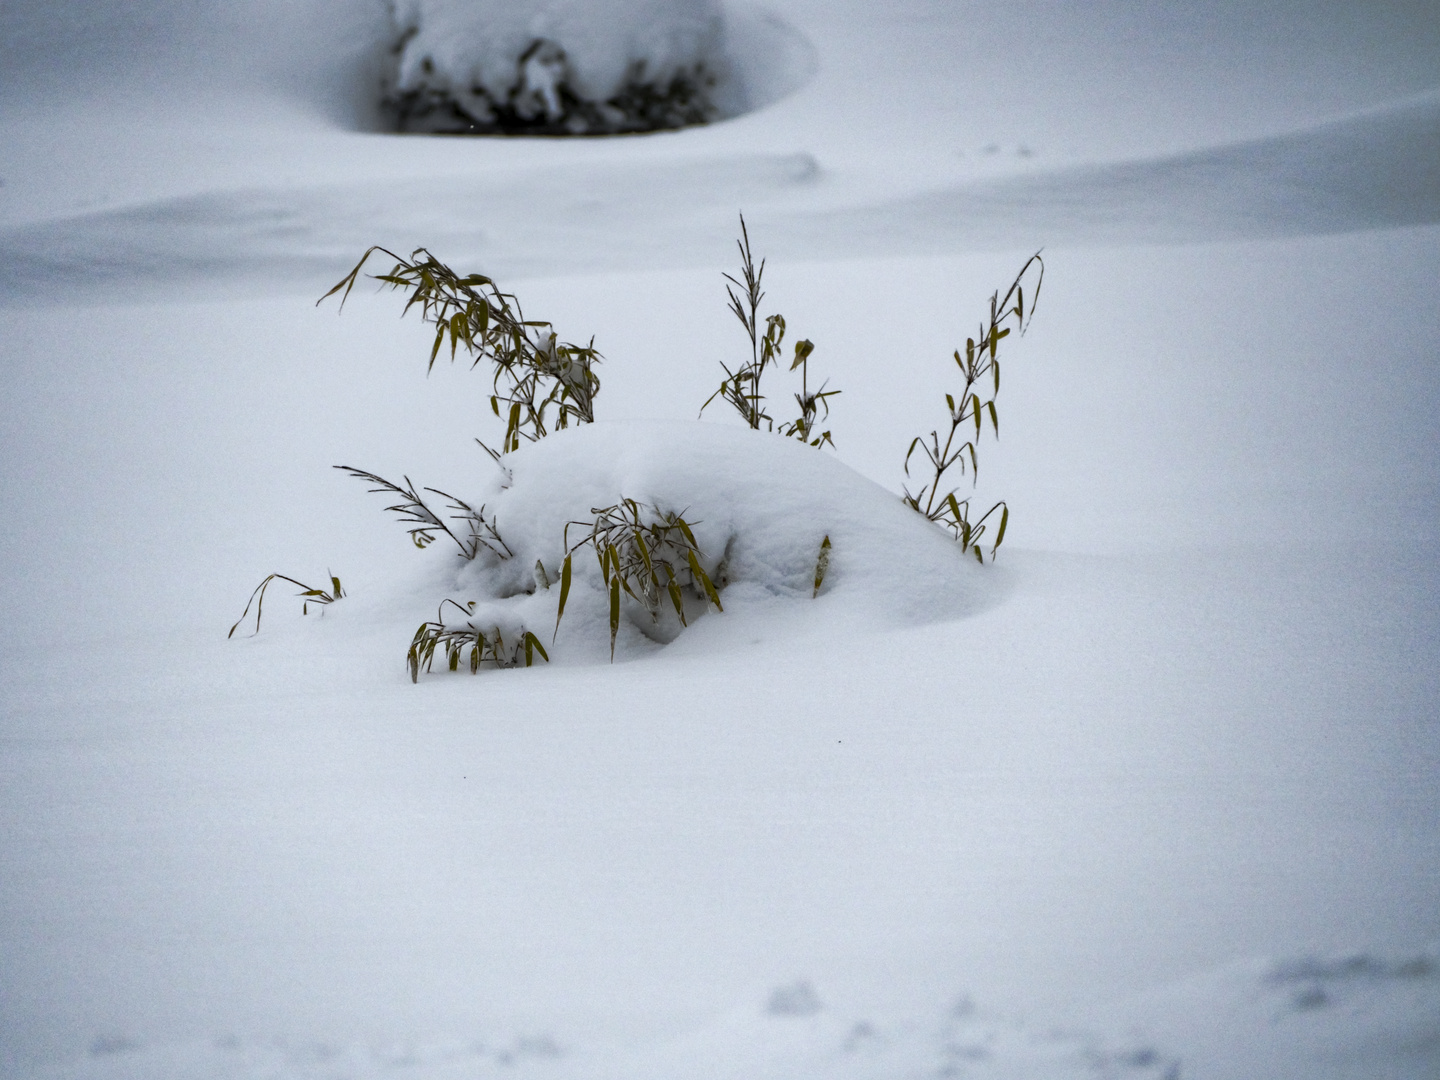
758,512
563,67
673,514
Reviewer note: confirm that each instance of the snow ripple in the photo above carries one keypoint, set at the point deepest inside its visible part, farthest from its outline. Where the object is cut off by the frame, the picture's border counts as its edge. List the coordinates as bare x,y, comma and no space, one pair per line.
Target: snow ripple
1378,169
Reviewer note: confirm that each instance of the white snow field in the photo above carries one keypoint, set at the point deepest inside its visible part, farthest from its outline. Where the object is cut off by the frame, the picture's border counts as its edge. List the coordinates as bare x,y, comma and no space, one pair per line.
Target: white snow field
1154,795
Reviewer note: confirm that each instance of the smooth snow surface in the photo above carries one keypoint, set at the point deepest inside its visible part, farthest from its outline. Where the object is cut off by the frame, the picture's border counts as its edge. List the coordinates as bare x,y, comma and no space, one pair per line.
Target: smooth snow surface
1156,795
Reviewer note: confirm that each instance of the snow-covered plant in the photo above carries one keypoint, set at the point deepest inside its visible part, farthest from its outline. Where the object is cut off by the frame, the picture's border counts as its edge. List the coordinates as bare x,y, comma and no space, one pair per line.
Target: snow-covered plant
651,566
553,67
533,370
308,593
483,647
741,387
981,360
645,552
478,532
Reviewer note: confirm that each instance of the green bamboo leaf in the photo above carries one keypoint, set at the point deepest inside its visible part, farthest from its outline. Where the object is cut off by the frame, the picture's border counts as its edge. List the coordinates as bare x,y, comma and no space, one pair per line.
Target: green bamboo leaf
439,340
512,429
994,420
564,595
1000,533
458,331
913,443
676,600
614,613
684,527
532,646
698,573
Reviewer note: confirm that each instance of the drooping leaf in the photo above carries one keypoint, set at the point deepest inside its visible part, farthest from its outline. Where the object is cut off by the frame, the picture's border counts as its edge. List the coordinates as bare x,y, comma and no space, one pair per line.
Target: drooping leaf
614,613
564,595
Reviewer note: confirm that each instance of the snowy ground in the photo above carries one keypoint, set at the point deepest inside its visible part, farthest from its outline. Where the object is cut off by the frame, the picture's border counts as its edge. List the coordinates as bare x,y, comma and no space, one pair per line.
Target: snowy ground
1160,800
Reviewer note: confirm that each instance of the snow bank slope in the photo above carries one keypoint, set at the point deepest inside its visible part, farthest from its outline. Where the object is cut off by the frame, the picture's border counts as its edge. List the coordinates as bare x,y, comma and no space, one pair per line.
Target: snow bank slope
1371,170
759,506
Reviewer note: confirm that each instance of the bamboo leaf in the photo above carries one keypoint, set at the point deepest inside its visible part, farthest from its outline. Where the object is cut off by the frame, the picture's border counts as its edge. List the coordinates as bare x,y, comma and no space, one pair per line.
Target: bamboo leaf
698,573
614,613
822,565
684,527
439,340
676,600
564,595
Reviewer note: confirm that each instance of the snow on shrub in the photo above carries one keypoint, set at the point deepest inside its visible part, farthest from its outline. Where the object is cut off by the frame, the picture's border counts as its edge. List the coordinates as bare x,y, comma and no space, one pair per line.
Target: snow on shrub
571,67
759,508
640,526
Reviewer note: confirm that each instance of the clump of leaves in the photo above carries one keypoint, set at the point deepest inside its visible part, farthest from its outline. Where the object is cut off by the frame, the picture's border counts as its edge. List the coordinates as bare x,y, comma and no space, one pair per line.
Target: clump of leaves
478,530
741,387
803,428
534,372
308,594
483,647
645,552
980,363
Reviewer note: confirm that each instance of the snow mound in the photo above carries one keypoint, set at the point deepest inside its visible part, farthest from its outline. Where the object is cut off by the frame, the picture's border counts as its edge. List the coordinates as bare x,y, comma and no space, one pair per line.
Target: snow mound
1379,1021
555,66
1312,1018
746,1043
759,506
